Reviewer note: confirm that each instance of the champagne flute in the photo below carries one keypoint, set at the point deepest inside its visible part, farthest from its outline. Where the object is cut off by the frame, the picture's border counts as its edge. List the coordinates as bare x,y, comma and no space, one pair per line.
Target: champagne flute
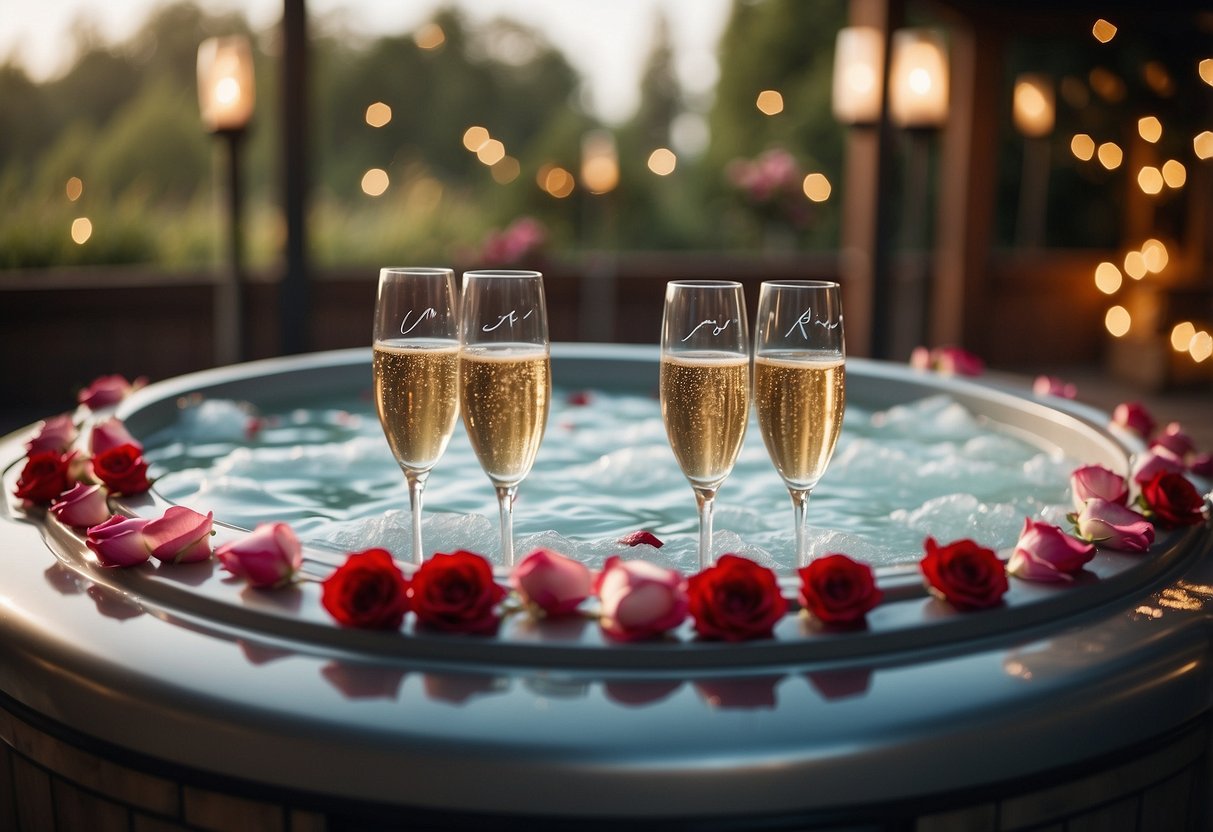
705,386
416,372
799,385
505,373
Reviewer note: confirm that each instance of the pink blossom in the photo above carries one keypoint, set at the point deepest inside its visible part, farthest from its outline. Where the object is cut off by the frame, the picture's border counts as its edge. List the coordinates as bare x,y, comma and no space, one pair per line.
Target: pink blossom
119,541
1054,386
106,391
1095,481
1134,417
1114,526
1045,553
1155,461
54,434
267,557
639,599
552,582
110,433
81,506
181,535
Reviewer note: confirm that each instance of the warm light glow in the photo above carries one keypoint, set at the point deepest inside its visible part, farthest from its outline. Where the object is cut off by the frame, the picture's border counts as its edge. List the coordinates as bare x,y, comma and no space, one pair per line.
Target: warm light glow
375,182
770,102
1103,30
1149,128
1149,179
1110,155
919,79
1082,146
378,114
1181,336
1205,69
662,161
506,170
429,36
1155,255
1174,173
475,137
1158,78
1107,278
1117,321
1201,346
82,229
1202,143
1135,265
858,72
491,152
599,162
226,92
817,187
1107,84
1034,105
555,180
1075,92
75,187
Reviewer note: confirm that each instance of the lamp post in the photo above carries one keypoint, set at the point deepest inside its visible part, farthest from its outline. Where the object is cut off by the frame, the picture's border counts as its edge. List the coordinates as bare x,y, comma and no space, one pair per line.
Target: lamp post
226,98
1033,110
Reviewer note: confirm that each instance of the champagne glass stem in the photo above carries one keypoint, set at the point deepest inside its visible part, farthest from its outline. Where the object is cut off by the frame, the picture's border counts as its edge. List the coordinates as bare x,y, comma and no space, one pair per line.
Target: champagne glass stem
505,501
800,509
416,483
705,497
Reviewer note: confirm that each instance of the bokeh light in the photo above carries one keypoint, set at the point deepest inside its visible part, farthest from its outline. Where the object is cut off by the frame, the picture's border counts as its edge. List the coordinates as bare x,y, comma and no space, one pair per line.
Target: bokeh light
491,152
1103,30
429,36
1202,143
662,161
1118,321
1135,265
1158,78
1201,346
1149,128
1149,179
1107,84
378,114
1107,278
1155,255
1205,69
817,187
1174,173
770,102
82,229
555,180
1181,335
75,187
506,171
1082,146
375,182
475,137
1110,155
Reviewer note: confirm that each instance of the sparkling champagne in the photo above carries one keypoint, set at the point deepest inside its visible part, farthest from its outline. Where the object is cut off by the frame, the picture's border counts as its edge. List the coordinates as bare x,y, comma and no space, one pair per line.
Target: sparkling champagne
705,403
505,390
800,398
417,396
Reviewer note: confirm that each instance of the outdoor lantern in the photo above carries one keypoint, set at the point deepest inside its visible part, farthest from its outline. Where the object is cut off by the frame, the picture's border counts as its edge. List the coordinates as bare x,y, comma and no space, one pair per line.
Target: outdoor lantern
1034,106
225,83
918,92
858,75
599,162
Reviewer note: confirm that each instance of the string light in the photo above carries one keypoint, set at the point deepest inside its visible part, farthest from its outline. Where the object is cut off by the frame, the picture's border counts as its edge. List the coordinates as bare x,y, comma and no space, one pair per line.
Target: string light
1201,346
1118,321
1110,155
1103,30
1149,128
662,161
491,152
1154,253
1135,265
1082,146
475,137
75,187
1107,278
1174,173
770,102
82,229
429,36
1202,143
1181,336
378,114
816,187
375,182
1149,179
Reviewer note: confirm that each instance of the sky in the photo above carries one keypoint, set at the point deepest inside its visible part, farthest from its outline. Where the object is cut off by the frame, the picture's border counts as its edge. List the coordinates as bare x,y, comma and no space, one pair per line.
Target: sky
606,40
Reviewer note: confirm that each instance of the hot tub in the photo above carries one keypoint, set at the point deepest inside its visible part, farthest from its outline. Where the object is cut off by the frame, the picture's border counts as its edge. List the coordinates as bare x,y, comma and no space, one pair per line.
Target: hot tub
174,695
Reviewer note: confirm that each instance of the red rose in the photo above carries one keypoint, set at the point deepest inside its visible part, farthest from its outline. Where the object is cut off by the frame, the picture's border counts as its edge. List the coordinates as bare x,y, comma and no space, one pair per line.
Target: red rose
838,590
457,592
122,469
367,591
735,600
1172,501
44,477
964,574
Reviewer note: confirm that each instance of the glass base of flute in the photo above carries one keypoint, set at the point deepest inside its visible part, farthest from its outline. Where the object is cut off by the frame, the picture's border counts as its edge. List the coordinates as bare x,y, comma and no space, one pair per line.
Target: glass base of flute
505,506
800,509
706,499
416,481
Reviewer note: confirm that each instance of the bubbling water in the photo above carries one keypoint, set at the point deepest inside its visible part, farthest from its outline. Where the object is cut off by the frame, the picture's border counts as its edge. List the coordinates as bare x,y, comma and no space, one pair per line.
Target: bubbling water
605,469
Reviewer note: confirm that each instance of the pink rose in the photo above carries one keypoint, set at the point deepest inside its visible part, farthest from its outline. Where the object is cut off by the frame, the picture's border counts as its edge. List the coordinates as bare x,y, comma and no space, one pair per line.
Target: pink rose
957,362
554,583
1133,417
182,535
81,506
1174,440
1054,386
1154,462
106,391
641,537
119,541
110,433
54,434
268,556
1114,526
639,599
1095,481
1045,553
